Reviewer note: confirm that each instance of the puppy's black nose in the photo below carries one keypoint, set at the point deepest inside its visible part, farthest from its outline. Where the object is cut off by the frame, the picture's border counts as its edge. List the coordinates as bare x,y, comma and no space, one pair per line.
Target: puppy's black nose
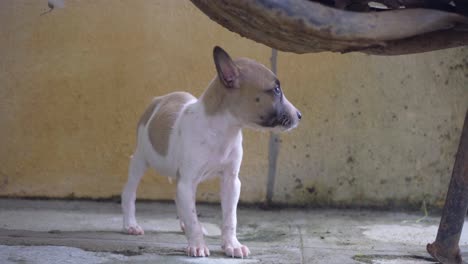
299,115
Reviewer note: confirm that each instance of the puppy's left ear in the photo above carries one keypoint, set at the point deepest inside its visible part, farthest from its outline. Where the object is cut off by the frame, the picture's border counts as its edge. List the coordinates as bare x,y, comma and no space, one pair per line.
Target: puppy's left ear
226,68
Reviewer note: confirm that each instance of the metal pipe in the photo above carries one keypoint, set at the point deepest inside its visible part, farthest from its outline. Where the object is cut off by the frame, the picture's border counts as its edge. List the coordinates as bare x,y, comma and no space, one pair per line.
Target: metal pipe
273,146
445,249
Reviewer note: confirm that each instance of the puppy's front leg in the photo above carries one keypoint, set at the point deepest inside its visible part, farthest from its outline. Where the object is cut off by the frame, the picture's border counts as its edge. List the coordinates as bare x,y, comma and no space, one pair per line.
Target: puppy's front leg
230,191
185,202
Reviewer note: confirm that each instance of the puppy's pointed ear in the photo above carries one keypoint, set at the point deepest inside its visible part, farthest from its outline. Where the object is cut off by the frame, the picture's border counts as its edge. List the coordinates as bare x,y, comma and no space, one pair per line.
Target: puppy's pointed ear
226,68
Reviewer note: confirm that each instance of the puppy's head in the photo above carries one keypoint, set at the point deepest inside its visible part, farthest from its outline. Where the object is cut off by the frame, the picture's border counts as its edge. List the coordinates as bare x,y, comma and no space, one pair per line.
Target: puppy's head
253,94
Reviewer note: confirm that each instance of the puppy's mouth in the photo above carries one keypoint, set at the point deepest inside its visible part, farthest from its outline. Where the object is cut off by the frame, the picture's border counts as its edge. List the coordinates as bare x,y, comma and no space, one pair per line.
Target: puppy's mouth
276,121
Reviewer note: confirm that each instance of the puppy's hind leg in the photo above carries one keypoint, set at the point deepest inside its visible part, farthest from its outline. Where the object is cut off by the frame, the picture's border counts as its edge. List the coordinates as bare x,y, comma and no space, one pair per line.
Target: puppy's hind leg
136,170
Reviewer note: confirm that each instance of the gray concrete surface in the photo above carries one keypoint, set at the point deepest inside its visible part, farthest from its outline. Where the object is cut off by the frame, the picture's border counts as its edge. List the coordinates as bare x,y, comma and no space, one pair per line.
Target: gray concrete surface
89,232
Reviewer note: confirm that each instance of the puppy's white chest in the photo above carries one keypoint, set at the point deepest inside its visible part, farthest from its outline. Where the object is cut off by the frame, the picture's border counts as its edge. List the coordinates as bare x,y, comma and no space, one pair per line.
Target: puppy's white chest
206,145
216,147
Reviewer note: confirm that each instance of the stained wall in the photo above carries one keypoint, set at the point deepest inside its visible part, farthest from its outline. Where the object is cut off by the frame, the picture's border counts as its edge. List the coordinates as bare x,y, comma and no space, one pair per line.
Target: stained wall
376,130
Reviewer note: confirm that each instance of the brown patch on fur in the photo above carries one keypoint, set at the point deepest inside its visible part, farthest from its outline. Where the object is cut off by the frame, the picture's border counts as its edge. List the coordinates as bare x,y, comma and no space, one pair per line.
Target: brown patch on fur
213,97
160,126
148,112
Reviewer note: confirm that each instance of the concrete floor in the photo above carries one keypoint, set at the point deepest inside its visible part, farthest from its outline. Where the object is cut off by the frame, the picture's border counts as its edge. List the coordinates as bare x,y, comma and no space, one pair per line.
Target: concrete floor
89,232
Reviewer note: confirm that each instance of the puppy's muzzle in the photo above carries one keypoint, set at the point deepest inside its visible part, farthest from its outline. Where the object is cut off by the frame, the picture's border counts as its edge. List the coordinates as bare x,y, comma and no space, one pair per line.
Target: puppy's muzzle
282,119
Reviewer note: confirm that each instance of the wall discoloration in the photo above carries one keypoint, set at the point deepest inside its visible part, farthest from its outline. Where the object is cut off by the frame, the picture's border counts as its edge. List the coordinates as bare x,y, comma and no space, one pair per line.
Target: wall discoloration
162,121
379,131
72,90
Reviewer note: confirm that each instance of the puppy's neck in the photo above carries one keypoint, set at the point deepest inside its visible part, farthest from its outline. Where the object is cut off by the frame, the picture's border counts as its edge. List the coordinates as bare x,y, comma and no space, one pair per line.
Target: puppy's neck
215,102
215,99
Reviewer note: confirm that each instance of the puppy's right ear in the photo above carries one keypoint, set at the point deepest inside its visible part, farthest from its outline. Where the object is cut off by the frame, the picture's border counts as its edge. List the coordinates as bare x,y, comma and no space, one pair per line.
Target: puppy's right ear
226,68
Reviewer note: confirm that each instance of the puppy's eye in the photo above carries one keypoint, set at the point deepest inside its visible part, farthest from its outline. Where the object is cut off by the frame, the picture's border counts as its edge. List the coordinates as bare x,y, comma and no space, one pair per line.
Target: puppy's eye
277,90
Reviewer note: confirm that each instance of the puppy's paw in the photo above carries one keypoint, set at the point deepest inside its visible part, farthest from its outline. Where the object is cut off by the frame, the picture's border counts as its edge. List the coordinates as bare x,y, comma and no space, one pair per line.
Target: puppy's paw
235,249
182,227
135,230
197,251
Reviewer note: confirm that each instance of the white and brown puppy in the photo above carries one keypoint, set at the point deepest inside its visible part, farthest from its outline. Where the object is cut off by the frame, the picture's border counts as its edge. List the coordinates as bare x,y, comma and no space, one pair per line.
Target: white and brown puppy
194,139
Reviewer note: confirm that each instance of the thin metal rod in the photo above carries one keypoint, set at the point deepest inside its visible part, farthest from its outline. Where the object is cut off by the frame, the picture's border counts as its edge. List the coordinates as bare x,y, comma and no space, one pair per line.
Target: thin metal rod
273,146
274,60
445,248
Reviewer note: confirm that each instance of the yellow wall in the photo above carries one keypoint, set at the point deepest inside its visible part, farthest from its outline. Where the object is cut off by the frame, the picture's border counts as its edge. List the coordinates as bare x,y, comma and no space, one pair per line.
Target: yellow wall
73,83
376,131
